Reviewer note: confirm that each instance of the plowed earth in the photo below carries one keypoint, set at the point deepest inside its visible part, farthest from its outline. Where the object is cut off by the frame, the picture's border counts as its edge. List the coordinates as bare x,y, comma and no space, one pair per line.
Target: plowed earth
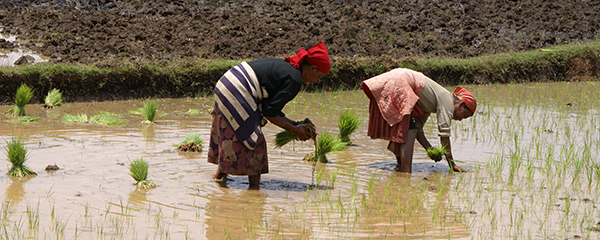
89,31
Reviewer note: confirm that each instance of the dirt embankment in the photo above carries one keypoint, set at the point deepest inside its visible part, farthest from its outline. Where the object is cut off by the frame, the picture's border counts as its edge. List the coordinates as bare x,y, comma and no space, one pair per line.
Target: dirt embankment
91,31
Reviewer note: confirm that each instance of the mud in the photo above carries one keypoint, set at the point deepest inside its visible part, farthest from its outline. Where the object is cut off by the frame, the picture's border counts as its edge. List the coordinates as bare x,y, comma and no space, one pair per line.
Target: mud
89,31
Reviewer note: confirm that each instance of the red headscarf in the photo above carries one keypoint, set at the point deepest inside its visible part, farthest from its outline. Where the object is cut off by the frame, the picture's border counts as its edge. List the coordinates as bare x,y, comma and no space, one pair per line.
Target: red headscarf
316,55
466,97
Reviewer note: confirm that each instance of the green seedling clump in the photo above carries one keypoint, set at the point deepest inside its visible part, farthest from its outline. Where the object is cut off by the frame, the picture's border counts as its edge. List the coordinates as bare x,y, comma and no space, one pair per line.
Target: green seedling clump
28,118
149,111
139,172
284,137
326,144
24,94
53,99
17,154
101,119
349,122
437,153
192,143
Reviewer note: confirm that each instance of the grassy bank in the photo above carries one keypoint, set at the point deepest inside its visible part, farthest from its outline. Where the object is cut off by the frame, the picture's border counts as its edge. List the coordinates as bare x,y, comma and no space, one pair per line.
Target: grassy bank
114,80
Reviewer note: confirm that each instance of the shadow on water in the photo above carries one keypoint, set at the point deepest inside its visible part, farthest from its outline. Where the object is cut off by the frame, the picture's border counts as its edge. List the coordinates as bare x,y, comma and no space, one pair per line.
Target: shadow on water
241,183
440,167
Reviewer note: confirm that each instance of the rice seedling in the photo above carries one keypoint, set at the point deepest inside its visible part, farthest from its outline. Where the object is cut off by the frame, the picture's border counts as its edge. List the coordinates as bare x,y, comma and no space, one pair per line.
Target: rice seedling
284,137
83,118
192,143
139,172
349,122
17,154
436,153
193,111
24,94
53,99
326,144
100,119
105,119
149,111
28,118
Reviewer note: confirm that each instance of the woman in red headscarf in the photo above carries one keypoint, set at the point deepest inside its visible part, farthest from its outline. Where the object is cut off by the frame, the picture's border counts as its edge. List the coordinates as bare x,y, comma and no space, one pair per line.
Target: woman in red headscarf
248,94
401,100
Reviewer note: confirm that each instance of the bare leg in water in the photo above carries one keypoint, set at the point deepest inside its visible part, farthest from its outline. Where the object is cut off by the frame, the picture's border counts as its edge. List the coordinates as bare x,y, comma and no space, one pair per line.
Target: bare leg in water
406,152
219,175
254,180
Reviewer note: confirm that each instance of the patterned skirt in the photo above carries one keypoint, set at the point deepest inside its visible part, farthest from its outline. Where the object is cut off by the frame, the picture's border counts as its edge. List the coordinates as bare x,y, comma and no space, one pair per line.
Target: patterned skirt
232,156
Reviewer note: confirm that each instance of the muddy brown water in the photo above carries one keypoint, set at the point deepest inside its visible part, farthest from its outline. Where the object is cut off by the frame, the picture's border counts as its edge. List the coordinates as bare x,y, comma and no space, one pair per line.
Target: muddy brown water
8,58
359,194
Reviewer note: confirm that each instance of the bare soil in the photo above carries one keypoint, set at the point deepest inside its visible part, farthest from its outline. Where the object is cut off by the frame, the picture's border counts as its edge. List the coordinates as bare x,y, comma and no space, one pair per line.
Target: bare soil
88,31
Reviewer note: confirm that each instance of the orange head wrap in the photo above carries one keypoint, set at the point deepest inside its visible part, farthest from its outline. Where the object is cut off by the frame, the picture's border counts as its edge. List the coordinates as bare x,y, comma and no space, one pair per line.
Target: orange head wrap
316,55
466,97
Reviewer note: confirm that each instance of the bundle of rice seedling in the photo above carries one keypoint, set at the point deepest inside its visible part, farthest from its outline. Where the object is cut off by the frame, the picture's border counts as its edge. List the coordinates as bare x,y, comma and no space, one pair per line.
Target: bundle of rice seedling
436,153
349,122
83,118
192,143
24,94
139,171
149,111
17,154
53,99
326,144
28,118
284,137
105,119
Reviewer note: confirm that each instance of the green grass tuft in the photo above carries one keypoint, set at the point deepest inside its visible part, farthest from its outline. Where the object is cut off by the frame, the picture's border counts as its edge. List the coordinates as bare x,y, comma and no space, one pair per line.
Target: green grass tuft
54,98
348,123
17,154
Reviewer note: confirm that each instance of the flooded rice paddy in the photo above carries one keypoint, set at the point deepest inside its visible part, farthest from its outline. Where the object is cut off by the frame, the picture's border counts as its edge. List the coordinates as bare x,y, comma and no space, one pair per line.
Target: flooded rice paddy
532,151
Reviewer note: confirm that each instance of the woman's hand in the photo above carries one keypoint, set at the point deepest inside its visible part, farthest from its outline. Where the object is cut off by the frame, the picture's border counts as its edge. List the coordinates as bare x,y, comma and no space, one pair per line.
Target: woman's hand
303,132
436,158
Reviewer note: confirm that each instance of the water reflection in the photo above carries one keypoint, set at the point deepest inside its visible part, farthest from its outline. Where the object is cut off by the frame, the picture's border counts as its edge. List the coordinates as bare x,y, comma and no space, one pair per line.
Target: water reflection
235,213
148,132
138,197
14,192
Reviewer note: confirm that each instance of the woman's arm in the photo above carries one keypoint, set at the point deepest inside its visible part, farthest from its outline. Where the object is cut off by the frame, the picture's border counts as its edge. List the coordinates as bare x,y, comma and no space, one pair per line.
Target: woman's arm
425,143
446,143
